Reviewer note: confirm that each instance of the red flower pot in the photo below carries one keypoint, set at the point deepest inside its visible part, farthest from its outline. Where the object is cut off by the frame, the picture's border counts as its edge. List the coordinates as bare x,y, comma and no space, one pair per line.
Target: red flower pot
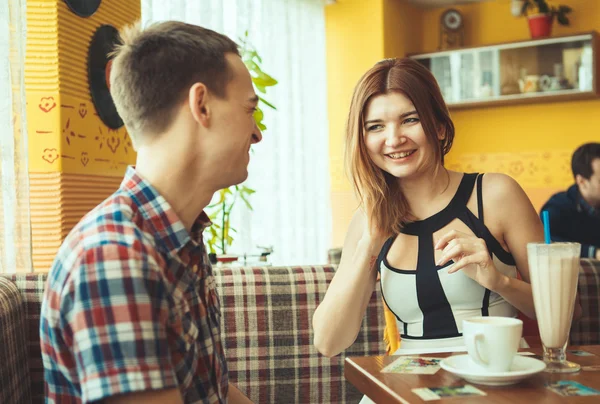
540,25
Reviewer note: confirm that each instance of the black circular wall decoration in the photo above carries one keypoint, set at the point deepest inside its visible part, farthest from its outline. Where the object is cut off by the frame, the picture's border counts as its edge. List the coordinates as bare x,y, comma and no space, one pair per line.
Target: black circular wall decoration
83,8
103,42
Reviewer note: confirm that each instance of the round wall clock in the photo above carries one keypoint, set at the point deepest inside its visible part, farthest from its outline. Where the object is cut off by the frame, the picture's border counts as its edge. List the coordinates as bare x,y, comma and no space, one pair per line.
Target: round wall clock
452,20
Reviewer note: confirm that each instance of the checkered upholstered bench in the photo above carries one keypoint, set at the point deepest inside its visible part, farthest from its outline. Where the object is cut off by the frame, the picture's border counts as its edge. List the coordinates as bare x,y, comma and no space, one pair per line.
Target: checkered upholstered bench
14,372
267,333
587,330
266,322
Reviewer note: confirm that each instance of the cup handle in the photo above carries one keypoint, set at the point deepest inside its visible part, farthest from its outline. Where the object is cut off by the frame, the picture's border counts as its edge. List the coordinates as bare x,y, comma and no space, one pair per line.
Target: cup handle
477,358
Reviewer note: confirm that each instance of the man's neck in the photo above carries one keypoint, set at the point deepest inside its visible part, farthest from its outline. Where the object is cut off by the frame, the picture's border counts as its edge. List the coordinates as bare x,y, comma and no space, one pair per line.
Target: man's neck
586,201
187,194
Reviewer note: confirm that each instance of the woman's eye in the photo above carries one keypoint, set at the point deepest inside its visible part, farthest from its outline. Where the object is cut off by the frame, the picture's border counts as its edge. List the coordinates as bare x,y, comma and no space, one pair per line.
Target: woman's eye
411,120
374,127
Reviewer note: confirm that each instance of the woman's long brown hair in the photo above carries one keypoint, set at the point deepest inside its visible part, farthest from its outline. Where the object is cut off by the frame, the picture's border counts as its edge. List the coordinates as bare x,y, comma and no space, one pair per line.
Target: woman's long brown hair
379,192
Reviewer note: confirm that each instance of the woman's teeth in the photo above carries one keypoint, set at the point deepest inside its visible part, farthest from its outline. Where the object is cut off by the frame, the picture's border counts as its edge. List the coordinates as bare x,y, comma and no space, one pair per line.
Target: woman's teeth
401,154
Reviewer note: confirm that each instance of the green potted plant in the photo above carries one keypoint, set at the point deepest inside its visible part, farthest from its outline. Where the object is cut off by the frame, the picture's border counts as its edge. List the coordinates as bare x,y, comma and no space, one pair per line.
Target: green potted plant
219,236
541,15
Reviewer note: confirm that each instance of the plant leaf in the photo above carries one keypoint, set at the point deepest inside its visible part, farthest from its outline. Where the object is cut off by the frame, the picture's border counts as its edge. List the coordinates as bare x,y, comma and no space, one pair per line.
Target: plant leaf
264,81
543,6
562,19
258,116
564,9
260,88
267,103
246,202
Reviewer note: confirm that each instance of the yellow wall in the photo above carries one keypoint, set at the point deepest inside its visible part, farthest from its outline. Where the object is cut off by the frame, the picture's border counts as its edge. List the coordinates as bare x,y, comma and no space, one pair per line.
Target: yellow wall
532,143
402,28
355,41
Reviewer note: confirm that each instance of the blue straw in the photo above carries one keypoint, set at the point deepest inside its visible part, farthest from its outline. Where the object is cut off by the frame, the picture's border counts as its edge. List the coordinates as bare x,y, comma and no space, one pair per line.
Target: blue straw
546,221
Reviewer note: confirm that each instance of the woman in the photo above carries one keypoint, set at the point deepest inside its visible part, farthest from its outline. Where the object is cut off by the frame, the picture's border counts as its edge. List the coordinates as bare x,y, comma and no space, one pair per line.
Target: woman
449,245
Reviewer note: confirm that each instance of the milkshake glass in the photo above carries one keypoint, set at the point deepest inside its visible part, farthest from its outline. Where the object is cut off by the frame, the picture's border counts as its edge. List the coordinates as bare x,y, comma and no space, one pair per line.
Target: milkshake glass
554,271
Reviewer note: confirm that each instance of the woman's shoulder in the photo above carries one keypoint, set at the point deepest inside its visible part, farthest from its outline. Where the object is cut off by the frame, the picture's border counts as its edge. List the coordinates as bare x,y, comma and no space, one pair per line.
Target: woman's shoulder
504,181
499,181
502,191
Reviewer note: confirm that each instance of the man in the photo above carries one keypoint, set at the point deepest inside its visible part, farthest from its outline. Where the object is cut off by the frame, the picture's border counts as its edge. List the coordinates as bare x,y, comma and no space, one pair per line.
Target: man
131,313
575,214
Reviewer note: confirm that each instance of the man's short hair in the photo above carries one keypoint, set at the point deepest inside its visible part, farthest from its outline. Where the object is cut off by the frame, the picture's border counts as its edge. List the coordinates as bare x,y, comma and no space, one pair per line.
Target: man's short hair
581,163
154,68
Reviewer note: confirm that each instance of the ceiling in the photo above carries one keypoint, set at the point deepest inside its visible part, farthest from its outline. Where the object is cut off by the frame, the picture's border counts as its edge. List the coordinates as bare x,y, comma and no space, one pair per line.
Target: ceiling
442,3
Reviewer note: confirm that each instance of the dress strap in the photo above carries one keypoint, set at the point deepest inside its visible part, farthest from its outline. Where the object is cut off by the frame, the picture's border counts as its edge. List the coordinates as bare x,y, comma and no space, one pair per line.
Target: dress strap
480,197
384,251
465,190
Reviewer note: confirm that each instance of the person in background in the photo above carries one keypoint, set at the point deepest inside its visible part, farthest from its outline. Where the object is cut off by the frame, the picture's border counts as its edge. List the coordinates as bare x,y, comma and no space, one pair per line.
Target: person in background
575,213
131,312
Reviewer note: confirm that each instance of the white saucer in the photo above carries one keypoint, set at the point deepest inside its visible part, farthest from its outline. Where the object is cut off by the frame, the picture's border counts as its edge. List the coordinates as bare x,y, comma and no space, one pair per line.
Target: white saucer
522,368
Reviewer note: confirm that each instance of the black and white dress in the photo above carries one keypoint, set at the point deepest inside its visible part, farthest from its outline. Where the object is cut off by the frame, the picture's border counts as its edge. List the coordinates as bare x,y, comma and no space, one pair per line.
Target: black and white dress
430,304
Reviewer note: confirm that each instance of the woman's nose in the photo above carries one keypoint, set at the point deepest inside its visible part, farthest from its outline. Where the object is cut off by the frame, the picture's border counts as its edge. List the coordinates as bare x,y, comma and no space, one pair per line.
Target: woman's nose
394,138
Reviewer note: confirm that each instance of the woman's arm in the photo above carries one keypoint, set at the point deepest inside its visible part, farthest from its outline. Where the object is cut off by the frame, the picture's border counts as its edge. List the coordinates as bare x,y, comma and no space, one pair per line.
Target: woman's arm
338,318
507,204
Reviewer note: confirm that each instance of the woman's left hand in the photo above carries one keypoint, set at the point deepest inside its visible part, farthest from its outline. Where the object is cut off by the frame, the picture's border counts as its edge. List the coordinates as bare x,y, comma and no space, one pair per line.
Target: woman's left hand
471,255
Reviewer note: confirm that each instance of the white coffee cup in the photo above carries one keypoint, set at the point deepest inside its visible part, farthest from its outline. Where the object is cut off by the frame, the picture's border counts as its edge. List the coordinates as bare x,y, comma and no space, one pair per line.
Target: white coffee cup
492,342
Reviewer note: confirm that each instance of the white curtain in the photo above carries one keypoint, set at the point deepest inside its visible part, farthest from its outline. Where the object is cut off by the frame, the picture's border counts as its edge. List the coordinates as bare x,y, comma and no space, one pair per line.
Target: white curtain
15,226
289,169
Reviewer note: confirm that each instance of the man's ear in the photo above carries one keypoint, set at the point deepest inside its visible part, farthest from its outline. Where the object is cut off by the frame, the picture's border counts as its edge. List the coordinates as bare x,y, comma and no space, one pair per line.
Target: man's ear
198,98
579,180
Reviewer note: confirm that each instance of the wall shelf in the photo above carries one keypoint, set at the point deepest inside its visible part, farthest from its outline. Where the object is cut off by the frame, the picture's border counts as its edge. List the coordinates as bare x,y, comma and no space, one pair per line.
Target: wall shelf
534,71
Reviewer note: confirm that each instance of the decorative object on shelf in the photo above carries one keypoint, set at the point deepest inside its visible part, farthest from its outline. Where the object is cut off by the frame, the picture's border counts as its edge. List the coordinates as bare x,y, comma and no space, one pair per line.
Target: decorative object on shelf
451,29
540,16
556,82
260,258
219,236
515,7
529,84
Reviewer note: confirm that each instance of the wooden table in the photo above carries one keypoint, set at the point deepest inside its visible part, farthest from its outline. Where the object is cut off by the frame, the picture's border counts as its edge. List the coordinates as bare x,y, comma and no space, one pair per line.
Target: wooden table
364,373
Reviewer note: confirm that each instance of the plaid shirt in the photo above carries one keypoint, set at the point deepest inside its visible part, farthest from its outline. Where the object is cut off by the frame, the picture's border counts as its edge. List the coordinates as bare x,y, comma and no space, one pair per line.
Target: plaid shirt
131,305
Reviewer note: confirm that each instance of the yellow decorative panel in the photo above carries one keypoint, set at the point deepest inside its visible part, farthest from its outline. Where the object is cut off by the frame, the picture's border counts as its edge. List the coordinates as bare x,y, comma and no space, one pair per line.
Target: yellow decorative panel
65,131
75,160
540,173
68,136
537,169
58,202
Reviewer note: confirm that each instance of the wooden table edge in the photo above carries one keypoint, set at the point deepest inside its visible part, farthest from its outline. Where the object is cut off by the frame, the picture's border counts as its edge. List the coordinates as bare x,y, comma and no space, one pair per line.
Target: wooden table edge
350,367
361,378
